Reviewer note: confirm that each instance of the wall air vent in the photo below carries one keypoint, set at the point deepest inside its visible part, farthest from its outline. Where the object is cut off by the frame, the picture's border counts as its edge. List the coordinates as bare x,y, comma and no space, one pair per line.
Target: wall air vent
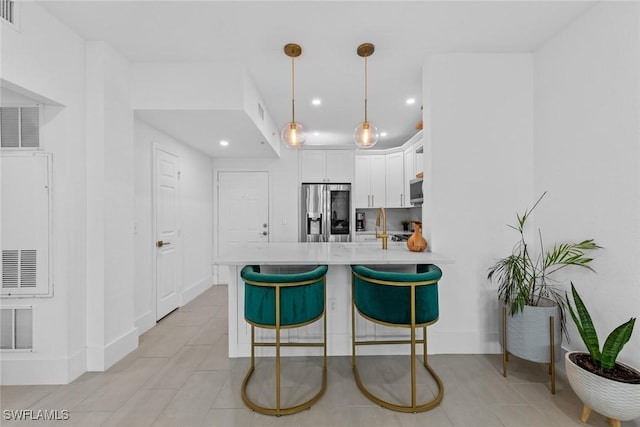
16,328
25,224
20,127
6,10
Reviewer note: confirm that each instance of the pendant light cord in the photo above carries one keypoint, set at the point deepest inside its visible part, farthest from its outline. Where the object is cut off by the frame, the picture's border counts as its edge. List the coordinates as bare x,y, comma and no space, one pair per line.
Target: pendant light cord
365,88
293,76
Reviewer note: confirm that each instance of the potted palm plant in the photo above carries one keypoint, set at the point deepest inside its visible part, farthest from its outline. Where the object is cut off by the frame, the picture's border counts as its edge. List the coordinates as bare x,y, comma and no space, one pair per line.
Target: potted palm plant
603,384
531,296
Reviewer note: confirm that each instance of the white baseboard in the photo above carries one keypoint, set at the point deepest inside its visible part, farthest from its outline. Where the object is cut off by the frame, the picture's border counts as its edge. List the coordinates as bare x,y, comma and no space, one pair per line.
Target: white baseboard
196,289
33,371
120,347
472,342
77,365
145,322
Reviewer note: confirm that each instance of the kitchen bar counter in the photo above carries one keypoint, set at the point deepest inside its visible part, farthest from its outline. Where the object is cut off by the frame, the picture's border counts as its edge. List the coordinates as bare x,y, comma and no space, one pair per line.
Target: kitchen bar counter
289,257
326,253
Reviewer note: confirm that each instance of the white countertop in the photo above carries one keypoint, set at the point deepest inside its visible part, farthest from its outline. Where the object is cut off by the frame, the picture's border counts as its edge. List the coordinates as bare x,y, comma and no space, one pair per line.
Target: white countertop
296,253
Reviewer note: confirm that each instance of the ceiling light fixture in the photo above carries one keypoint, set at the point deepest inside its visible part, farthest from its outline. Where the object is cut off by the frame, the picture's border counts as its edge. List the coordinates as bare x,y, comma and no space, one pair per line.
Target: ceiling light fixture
316,101
366,134
293,133
411,101
224,143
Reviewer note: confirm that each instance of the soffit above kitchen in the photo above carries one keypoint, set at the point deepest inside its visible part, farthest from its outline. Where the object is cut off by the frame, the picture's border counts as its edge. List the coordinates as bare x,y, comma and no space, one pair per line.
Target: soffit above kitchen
252,34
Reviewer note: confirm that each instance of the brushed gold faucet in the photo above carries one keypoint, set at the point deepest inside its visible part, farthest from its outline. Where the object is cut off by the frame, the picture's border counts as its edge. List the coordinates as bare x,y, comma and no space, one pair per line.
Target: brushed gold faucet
384,236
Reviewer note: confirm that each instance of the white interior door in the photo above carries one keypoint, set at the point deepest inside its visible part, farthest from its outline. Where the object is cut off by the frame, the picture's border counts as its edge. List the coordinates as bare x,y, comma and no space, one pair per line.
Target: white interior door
166,232
243,208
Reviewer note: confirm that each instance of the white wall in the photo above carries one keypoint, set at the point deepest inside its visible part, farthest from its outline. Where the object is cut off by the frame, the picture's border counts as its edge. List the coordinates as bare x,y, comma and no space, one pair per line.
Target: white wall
478,170
47,59
587,155
111,332
195,218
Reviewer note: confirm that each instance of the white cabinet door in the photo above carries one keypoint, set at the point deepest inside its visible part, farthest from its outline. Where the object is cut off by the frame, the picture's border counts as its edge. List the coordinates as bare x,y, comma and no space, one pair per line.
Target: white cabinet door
370,181
362,183
419,157
326,166
409,172
312,166
339,166
395,179
377,180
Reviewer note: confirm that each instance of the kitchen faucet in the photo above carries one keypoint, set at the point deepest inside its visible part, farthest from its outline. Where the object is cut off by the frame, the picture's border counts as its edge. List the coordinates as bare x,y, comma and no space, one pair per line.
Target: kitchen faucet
384,236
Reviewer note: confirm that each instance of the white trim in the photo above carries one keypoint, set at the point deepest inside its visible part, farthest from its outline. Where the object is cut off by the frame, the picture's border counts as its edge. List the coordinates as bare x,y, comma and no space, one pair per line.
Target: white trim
76,365
196,289
145,322
120,347
34,371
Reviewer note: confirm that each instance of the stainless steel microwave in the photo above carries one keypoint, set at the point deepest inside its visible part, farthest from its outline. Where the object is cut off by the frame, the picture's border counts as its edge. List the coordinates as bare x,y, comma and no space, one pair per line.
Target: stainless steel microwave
415,191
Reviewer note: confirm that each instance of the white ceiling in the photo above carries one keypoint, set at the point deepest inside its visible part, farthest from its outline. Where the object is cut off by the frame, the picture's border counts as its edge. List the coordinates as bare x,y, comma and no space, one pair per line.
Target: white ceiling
253,33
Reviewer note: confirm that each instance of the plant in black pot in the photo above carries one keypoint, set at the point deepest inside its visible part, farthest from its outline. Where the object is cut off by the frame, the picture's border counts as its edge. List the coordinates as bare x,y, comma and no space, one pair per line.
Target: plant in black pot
603,384
532,297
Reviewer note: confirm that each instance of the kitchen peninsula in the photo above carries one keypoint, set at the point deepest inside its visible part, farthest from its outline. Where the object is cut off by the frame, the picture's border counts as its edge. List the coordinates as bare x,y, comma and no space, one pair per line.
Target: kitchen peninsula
291,257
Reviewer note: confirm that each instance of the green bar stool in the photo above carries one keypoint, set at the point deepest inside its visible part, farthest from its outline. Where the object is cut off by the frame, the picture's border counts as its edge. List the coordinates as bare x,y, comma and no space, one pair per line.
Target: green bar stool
282,301
403,300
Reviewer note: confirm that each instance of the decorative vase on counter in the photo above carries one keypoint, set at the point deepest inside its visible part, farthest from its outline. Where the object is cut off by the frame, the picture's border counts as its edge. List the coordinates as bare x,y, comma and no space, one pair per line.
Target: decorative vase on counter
416,242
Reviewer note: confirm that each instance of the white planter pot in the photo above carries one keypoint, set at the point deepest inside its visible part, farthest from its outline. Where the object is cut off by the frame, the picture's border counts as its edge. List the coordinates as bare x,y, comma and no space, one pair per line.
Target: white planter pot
613,399
528,333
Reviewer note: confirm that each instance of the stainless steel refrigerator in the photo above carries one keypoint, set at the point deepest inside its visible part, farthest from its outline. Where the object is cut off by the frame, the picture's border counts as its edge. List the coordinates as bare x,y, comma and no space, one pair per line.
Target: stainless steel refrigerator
325,213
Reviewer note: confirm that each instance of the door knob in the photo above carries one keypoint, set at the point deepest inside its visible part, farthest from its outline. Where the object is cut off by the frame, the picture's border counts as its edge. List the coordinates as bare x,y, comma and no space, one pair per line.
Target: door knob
264,233
160,243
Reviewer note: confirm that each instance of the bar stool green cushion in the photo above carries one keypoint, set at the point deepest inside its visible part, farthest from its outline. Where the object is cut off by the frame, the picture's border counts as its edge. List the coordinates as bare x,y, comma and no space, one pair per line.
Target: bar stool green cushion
391,304
298,303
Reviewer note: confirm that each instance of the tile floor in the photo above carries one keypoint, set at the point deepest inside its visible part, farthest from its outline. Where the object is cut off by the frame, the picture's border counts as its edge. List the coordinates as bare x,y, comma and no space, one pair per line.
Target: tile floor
180,375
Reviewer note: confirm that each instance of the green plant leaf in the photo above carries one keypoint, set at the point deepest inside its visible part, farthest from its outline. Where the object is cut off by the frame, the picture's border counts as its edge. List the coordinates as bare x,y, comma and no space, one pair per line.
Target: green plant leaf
614,343
584,324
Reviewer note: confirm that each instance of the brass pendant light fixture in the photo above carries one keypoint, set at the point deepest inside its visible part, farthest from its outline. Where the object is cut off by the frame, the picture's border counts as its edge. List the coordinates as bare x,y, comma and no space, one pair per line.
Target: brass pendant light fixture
293,134
366,134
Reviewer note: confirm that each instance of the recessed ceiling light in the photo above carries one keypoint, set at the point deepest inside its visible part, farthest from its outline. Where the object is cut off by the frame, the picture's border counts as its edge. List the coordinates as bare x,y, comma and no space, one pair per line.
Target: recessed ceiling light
411,101
316,101
316,133
224,143
383,134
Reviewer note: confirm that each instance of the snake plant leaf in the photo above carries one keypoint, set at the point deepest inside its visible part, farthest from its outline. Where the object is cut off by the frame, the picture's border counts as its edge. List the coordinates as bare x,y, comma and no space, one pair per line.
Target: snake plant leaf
614,343
584,324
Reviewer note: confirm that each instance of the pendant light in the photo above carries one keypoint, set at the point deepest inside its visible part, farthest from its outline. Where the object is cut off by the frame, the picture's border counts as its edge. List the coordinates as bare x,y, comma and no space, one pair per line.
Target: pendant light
293,133
366,134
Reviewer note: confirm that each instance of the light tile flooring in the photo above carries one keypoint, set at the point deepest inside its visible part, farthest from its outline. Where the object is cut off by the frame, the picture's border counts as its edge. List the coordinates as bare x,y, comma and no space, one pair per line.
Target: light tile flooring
180,375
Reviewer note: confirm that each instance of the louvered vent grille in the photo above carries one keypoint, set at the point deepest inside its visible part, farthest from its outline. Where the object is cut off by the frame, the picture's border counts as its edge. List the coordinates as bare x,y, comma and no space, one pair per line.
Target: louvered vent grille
19,268
19,127
16,328
6,10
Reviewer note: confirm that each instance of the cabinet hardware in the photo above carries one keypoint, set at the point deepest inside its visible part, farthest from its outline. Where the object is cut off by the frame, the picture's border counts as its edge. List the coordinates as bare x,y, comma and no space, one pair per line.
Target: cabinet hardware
264,233
160,243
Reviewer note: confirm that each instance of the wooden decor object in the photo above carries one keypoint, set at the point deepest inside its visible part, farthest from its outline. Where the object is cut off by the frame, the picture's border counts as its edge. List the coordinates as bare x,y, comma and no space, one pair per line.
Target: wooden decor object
416,242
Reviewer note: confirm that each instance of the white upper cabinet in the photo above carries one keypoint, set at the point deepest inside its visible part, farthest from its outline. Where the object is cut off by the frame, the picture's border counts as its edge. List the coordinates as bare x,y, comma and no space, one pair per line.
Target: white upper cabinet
409,171
395,180
370,181
326,166
419,157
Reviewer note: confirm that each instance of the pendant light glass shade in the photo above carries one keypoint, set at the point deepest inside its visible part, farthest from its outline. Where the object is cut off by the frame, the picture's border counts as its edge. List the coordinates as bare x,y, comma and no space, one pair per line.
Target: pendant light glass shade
292,133
366,134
